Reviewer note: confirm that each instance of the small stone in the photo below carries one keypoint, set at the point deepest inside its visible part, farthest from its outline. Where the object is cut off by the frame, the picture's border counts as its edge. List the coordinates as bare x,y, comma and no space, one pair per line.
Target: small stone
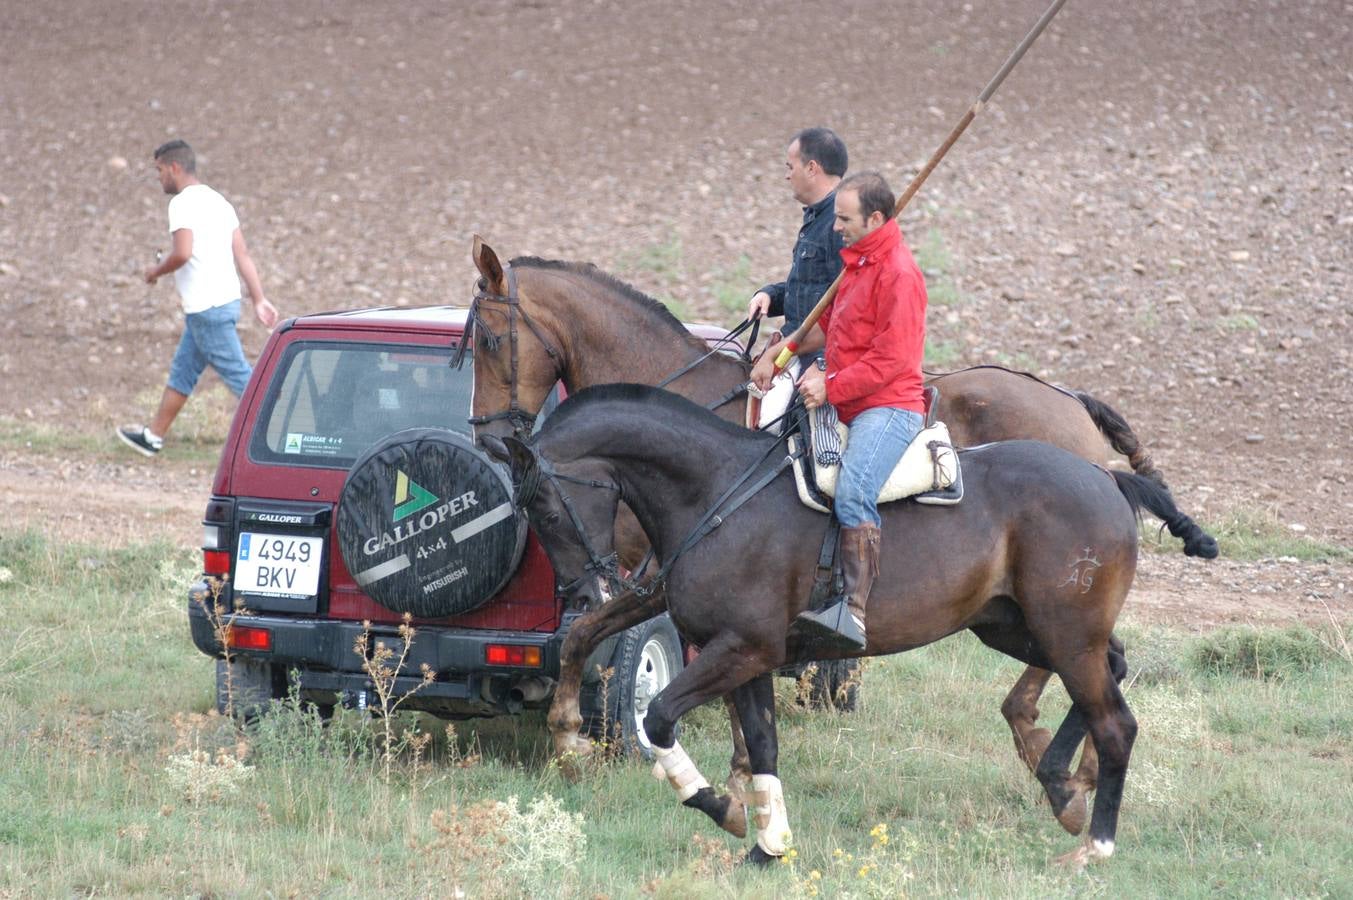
1013,294
1240,255
1139,268
9,269
1254,438
117,163
1297,527
1065,250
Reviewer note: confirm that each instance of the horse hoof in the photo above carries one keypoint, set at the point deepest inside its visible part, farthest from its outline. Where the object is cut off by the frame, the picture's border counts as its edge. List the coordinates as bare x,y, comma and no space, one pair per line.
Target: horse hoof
1075,860
1074,815
735,819
758,857
571,755
1088,852
1036,743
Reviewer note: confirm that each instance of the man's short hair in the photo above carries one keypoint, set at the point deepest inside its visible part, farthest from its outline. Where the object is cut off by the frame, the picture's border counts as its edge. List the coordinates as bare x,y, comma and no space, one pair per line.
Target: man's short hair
177,151
874,193
823,146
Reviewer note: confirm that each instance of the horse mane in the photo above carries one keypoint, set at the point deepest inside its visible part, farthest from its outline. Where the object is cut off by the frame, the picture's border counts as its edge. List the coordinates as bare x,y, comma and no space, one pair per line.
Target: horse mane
660,403
604,279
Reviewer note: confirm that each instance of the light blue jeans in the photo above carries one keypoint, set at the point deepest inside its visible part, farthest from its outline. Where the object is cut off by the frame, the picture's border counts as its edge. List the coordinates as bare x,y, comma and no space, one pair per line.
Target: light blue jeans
878,438
209,338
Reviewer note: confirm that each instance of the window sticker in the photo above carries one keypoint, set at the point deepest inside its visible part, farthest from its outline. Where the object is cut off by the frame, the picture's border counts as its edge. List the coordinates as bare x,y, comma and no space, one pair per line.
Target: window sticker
312,444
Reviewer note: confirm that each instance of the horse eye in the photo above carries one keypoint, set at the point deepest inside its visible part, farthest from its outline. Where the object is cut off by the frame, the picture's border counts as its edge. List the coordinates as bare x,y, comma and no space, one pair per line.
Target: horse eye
552,518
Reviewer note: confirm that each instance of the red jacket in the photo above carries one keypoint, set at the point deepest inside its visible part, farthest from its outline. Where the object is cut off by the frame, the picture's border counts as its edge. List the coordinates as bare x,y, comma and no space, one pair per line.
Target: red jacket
876,327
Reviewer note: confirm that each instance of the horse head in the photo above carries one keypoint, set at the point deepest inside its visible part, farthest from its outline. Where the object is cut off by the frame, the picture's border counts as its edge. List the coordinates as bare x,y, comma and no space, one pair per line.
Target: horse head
516,363
572,509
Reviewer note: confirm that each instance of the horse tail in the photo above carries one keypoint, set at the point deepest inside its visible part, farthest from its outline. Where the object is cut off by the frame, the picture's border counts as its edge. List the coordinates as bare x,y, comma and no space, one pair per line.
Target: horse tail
1143,492
1120,436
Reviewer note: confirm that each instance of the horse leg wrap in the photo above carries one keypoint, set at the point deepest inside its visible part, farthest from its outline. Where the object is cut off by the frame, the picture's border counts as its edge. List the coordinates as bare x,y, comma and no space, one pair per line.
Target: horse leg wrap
767,799
676,768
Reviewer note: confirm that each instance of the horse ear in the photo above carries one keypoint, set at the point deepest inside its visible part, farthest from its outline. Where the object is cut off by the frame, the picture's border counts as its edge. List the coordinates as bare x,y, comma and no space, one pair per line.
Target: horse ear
496,448
486,261
521,456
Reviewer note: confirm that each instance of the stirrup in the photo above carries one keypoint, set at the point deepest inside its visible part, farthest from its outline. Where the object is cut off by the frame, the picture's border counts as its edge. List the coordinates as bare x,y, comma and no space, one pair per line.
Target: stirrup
946,496
834,627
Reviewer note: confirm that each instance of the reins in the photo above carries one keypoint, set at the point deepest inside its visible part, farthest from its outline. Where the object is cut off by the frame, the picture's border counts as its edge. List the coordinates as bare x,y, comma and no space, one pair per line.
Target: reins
755,324
608,567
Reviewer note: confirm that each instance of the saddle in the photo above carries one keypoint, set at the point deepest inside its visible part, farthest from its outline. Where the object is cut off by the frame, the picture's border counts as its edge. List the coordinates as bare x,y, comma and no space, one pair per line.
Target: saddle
928,471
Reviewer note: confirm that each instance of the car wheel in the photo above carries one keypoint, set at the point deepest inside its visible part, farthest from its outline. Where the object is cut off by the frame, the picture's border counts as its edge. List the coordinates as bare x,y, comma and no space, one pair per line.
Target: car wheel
646,659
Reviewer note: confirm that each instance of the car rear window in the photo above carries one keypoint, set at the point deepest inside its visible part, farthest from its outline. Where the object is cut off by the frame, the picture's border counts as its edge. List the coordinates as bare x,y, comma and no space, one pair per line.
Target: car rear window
328,402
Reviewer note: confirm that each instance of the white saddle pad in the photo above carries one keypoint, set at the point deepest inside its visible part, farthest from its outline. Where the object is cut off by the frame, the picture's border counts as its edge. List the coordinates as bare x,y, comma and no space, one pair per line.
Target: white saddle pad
928,464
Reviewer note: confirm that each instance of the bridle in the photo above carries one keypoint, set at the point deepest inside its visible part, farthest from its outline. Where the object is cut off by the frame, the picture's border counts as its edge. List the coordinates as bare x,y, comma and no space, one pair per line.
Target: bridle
608,567
522,421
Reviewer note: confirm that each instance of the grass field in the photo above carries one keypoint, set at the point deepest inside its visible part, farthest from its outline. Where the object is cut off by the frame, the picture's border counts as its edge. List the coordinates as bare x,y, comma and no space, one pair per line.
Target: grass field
116,779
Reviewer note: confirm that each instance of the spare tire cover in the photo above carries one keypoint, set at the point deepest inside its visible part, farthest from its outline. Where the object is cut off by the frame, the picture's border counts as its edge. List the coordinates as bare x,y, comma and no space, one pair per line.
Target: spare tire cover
426,524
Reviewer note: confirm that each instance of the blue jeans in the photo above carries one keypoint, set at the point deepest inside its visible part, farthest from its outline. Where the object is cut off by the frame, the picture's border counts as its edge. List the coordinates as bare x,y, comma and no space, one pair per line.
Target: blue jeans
209,338
878,438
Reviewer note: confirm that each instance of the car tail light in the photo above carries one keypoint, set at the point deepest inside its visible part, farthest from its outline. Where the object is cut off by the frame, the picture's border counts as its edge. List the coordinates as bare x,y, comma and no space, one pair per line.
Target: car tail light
512,655
216,562
245,637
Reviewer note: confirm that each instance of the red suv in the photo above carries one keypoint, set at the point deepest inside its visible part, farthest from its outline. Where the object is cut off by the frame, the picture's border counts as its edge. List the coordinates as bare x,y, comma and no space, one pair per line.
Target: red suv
350,450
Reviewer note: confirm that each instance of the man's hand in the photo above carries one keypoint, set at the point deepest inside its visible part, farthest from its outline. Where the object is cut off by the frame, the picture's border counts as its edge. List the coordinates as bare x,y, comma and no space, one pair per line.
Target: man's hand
759,305
265,312
764,370
813,387
151,273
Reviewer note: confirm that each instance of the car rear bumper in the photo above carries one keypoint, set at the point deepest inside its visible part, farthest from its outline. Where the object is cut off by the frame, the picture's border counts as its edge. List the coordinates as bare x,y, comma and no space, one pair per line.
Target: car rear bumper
321,659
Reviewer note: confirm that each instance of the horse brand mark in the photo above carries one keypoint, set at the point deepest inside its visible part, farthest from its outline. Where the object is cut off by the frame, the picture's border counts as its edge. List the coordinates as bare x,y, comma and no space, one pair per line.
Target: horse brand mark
1083,571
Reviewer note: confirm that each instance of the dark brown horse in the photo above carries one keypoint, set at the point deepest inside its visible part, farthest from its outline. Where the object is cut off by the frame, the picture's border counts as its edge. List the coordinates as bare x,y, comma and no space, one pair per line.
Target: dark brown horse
1037,562
538,322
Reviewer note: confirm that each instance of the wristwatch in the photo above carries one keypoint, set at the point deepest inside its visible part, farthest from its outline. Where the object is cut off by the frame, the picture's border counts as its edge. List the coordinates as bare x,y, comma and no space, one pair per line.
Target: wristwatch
821,363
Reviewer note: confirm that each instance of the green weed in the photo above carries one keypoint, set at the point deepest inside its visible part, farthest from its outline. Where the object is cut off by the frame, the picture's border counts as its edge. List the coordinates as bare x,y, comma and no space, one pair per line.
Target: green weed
1252,534
1265,654
1239,322
940,354
733,288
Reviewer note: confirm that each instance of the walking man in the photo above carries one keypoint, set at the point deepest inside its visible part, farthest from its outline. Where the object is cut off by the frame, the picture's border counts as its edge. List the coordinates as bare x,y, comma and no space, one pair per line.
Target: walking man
208,259
814,163
874,340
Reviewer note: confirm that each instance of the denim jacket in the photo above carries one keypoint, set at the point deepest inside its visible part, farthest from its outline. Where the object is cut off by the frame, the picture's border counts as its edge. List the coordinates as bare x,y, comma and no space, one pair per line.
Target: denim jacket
817,262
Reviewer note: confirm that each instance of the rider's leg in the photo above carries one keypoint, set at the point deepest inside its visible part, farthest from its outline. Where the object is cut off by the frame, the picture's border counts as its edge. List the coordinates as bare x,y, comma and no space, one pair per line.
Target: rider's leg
878,438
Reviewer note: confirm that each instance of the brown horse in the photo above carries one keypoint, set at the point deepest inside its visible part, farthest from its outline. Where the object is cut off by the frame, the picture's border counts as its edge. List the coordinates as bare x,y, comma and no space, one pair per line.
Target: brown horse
538,322
1037,562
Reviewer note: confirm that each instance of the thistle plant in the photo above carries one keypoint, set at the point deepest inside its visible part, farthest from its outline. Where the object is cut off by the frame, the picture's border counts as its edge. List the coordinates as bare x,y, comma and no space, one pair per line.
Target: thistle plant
382,665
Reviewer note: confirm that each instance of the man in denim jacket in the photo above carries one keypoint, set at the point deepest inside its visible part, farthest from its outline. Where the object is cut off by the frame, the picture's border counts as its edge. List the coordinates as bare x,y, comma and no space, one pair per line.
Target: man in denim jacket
815,162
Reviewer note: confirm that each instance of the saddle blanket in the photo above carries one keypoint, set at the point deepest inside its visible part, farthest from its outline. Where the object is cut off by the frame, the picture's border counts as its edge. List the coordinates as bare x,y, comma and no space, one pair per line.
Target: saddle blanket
928,464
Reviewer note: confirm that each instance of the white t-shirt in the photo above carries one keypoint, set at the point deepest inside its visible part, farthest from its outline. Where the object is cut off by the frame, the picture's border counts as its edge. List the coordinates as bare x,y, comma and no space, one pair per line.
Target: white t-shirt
208,278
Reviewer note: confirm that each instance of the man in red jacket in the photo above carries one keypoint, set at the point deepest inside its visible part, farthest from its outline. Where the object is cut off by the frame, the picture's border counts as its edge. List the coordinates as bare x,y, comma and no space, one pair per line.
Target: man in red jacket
874,334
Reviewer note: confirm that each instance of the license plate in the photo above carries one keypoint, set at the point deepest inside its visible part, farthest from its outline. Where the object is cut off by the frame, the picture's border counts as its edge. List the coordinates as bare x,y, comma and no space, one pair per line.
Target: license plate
278,565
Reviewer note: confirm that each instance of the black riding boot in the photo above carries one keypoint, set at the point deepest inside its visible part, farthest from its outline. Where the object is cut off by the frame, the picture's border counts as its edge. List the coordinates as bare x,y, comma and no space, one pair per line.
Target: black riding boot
840,625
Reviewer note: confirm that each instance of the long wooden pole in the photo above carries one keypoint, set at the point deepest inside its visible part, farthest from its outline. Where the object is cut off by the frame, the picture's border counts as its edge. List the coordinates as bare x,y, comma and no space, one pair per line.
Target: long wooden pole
801,332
